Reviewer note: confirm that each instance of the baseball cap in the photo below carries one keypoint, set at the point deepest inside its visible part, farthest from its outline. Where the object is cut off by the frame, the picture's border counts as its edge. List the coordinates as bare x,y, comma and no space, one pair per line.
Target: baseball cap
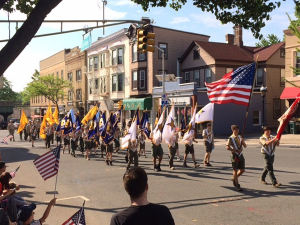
2,164
25,212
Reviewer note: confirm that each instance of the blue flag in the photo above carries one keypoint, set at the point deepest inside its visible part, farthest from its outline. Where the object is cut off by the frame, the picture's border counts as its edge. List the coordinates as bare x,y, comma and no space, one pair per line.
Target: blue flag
144,124
72,116
78,124
58,127
107,135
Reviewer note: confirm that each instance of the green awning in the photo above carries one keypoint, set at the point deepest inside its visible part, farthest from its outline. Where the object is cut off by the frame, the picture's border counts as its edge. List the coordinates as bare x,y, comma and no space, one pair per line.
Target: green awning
134,103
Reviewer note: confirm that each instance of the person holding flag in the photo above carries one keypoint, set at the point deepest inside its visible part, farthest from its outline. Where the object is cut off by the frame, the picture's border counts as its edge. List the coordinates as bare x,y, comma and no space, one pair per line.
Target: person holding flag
34,132
22,124
87,142
157,150
58,134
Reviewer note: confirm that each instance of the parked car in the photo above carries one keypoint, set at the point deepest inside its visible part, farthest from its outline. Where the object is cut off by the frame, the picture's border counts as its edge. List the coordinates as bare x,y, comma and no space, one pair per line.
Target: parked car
3,125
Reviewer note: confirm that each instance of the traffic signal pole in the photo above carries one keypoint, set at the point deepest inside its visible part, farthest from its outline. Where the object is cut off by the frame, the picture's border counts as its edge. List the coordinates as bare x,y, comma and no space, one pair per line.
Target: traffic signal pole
163,69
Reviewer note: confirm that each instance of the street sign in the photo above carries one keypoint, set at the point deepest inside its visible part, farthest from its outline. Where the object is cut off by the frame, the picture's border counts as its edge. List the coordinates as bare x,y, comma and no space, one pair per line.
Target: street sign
164,100
86,43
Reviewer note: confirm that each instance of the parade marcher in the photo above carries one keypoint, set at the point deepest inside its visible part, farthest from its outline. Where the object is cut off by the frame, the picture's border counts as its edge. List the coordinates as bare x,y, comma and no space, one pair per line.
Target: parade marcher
132,154
21,135
109,146
27,131
66,142
48,132
73,142
11,130
173,146
208,138
269,144
117,140
128,127
87,142
102,148
58,137
189,148
142,138
38,125
34,133
157,152
81,143
30,126
235,144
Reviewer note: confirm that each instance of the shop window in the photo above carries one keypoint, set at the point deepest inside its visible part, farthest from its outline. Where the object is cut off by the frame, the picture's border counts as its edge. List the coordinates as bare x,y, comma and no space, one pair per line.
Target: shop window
256,118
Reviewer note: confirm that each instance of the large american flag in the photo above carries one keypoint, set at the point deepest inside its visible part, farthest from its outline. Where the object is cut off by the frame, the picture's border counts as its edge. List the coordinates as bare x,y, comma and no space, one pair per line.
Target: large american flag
48,164
7,138
234,87
77,219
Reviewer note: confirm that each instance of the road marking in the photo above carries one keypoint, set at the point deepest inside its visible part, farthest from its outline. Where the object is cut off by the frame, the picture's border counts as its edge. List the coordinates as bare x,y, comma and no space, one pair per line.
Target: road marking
215,204
62,199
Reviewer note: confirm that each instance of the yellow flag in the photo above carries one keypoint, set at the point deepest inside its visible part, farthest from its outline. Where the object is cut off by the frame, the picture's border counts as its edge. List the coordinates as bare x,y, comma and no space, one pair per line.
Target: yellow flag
90,115
42,128
55,115
49,116
23,122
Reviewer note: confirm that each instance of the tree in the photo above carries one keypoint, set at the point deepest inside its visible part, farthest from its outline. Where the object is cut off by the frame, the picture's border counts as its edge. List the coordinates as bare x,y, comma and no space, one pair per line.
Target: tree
7,94
248,14
51,87
271,40
36,11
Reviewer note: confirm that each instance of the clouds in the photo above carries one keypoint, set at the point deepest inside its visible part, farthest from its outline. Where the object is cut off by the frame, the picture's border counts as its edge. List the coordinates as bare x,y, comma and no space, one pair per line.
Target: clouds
177,20
122,3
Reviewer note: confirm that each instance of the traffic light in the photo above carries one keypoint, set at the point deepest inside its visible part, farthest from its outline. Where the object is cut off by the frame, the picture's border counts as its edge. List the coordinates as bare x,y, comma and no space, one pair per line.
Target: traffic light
120,104
145,41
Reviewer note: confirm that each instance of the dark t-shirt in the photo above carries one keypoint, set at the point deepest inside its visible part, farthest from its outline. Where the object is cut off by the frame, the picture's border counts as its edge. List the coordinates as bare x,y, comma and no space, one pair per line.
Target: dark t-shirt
150,214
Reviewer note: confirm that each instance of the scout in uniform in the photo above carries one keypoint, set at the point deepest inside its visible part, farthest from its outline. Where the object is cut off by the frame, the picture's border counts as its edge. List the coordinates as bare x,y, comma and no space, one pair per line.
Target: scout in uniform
87,143
189,148
132,152
173,146
235,144
208,138
142,138
269,144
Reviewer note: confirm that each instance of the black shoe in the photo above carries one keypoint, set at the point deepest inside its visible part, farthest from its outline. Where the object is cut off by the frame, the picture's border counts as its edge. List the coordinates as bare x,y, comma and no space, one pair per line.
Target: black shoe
184,164
155,168
196,165
106,162
234,183
158,167
126,159
110,162
208,164
238,187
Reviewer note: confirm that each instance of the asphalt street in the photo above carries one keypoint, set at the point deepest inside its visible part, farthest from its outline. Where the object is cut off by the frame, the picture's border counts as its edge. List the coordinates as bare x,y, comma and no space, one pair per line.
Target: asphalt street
195,196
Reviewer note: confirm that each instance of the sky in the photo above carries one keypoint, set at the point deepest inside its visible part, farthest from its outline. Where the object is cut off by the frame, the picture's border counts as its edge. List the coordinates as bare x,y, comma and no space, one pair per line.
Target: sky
188,18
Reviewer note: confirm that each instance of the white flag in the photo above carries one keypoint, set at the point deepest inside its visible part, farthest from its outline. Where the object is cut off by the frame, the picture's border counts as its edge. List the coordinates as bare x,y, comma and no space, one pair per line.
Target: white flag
205,114
131,135
169,128
192,122
189,135
158,129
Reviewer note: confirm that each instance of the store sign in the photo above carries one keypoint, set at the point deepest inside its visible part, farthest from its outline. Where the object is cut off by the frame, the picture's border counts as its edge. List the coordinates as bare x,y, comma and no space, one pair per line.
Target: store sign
181,100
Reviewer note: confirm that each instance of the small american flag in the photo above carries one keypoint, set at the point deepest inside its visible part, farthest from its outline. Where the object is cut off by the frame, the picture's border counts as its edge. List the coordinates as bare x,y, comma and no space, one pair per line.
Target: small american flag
48,164
77,219
13,173
7,138
234,87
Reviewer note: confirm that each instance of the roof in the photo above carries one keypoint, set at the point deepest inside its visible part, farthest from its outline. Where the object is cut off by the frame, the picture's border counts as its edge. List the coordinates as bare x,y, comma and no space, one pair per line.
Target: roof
229,52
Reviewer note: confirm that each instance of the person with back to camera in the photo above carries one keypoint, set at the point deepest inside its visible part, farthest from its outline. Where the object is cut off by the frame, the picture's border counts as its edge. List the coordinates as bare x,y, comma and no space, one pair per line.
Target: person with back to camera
208,138
141,211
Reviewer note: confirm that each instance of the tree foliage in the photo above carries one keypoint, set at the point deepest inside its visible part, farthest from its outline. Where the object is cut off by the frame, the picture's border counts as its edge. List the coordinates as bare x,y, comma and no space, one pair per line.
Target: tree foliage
7,94
51,87
270,40
249,14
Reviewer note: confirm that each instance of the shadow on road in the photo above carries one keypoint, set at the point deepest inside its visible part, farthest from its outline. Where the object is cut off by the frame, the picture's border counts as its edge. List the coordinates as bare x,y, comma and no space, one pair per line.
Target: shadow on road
13,154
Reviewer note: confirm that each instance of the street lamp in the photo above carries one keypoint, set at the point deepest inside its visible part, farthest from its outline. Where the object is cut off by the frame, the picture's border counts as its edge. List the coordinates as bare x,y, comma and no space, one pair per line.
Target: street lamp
263,91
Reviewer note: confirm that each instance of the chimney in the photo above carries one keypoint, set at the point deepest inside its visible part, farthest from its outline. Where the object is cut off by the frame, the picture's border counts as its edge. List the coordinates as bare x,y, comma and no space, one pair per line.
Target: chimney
238,35
229,39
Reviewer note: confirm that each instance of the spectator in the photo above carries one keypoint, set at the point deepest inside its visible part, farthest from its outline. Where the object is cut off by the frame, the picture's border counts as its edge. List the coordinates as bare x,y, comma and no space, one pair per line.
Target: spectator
141,211
2,167
26,214
4,219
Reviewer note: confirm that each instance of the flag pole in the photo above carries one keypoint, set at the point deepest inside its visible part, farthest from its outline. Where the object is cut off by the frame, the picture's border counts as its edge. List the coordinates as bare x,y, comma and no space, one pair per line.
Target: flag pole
255,73
81,212
55,184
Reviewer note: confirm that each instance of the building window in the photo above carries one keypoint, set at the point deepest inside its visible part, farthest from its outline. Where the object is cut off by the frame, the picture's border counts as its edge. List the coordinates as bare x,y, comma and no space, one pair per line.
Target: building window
207,75
282,53
120,55
114,83
79,95
160,73
256,118
96,63
297,63
282,76
120,82
186,77
62,74
102,85
197,78
196,54
90,85
260,77
102,65
78,75
96,84
163,46
142,79
70,96
70,76
134,80
90,64
276,108
57,74
114,57
137,56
